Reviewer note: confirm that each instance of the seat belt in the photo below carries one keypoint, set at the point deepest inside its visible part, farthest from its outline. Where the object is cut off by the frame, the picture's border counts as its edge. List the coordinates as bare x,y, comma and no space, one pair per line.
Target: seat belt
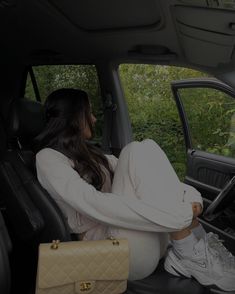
109,109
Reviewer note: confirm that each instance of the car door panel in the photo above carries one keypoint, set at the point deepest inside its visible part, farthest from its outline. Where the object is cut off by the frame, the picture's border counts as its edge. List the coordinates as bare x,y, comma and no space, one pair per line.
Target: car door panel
208,172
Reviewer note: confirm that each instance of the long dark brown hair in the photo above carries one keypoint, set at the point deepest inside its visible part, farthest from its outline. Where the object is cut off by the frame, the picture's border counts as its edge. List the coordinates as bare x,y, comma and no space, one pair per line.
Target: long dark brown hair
67,110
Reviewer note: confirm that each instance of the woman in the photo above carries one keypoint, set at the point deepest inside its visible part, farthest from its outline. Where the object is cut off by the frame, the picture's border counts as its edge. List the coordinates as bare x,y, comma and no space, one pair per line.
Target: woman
138,196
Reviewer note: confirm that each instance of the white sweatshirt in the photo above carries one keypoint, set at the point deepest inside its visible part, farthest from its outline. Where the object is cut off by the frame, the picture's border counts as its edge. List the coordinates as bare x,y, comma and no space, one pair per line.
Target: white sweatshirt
76,197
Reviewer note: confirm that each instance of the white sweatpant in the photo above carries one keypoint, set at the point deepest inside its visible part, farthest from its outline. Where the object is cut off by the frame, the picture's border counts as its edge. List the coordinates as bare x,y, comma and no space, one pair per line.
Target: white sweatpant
144,172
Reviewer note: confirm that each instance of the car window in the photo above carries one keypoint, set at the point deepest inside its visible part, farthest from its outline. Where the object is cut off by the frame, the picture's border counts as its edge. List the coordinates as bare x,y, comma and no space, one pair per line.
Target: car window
29,90
211,118
152,109
50,78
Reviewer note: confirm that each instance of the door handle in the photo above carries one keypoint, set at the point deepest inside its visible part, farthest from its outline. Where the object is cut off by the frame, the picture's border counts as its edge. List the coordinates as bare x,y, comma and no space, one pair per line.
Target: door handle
192,152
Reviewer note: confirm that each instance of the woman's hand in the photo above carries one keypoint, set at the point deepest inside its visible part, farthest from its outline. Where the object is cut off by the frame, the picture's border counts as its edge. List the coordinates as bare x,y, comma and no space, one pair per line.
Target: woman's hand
197,209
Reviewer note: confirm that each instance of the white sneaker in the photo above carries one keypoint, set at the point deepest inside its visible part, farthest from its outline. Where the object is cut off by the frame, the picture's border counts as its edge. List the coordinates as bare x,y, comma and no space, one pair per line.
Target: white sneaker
217,244
205,265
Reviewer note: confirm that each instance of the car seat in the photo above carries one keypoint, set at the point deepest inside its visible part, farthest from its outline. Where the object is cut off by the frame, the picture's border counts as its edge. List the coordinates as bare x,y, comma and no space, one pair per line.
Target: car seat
32,216
5,249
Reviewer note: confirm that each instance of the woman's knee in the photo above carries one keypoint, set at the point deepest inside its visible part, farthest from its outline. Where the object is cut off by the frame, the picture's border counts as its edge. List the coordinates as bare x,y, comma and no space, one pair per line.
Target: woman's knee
131,146
140,148
131,151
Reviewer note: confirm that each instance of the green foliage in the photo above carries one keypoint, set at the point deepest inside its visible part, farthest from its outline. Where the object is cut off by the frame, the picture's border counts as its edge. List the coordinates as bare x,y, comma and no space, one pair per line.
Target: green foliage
210,114
50,78
152,110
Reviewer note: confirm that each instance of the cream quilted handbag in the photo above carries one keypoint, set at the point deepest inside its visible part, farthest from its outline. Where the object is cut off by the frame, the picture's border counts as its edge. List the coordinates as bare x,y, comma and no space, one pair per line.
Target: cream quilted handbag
94,267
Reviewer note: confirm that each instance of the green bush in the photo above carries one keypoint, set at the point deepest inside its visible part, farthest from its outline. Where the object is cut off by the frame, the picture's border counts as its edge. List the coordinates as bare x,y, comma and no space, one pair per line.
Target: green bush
152,109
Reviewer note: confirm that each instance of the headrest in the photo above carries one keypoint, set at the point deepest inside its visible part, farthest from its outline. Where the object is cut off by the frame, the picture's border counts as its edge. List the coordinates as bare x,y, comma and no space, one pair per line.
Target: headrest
26,119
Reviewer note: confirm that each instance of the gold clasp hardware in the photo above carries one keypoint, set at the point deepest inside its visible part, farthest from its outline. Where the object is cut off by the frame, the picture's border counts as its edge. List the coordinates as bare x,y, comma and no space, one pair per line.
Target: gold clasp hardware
114,241
55,244
85,286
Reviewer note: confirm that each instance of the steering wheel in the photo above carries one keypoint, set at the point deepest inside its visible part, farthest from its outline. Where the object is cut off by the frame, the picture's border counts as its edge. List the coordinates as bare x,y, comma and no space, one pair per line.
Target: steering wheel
222,201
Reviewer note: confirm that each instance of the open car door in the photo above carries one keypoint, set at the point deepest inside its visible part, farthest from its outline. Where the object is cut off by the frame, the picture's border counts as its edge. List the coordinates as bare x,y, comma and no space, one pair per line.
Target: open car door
207,111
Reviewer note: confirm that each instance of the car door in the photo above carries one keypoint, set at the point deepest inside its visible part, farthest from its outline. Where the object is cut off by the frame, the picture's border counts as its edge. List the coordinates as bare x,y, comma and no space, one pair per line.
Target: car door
207,111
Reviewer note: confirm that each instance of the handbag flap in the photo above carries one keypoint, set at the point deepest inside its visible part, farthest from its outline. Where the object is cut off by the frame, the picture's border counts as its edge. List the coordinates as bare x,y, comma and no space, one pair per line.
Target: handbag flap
73,261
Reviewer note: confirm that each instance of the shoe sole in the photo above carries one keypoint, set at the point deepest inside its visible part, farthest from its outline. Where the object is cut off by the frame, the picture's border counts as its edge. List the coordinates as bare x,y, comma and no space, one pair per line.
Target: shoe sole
173,267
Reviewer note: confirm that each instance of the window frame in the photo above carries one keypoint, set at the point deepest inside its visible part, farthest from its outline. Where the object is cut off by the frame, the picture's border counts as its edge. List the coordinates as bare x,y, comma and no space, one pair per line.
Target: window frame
30,73
195,83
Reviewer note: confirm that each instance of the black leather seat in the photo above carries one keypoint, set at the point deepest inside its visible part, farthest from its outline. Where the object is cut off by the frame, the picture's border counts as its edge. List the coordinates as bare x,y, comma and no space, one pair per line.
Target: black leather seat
161,282
31,214
34,217
5,249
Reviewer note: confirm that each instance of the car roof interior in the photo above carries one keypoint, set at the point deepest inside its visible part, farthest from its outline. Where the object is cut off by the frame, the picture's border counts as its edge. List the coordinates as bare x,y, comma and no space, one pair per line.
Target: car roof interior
198,34
169,31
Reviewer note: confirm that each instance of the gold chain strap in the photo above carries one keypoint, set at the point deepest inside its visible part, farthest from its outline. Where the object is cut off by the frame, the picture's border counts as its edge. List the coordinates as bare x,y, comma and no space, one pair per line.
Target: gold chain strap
55,243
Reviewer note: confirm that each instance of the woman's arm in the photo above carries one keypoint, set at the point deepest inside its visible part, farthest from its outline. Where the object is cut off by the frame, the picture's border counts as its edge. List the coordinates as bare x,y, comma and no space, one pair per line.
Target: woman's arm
58,177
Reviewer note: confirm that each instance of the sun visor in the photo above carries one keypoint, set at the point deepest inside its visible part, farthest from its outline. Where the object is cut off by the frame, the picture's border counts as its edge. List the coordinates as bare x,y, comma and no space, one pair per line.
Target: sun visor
206,35
99,15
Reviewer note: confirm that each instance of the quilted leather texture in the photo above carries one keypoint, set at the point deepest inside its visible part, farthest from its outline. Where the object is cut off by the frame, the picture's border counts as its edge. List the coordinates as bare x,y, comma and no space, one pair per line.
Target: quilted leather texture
101,287
104,265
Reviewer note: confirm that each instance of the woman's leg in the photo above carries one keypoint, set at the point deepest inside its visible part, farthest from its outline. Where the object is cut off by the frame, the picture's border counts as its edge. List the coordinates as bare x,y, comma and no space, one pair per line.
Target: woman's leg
146,248
145,251
145,173
197,210
132,178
